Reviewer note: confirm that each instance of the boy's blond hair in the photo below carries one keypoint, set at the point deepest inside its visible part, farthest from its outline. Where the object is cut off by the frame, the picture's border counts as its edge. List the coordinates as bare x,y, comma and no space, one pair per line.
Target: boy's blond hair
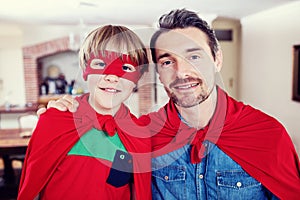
119,37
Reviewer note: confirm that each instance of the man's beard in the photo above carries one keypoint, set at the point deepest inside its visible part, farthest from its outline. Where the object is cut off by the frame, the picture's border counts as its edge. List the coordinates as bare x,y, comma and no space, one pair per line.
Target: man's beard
189,99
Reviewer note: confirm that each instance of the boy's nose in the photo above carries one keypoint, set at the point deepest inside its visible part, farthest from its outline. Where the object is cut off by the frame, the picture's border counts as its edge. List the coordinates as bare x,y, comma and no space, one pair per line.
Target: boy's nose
111,78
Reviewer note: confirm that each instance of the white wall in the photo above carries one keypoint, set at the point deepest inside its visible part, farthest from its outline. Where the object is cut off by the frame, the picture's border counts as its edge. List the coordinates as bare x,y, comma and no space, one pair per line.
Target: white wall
11,65
231,54
266,70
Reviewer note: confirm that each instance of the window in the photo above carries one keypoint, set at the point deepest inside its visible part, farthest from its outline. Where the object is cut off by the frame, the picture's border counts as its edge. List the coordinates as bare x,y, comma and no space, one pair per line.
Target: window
296,73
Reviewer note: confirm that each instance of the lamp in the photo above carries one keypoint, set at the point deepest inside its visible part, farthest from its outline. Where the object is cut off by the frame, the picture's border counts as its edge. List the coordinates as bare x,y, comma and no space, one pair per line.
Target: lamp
76,38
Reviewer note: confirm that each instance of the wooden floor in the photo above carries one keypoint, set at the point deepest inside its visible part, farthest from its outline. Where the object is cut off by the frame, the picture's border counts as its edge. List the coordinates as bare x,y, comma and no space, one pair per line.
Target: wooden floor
9,191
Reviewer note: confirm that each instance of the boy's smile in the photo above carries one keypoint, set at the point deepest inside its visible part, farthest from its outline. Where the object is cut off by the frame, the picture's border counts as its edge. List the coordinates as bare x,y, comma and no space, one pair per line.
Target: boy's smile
109,90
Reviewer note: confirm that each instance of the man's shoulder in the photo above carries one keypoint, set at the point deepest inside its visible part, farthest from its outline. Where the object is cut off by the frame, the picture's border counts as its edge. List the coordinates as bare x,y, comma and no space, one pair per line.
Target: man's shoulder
261,115
253,118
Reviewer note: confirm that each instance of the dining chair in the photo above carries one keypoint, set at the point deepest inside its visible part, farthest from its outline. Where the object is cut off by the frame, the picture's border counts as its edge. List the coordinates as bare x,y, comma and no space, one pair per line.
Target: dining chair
27,123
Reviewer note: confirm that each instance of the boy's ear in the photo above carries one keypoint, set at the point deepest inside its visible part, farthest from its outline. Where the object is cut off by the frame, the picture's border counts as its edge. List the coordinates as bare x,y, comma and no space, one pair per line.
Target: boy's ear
84,76
219,60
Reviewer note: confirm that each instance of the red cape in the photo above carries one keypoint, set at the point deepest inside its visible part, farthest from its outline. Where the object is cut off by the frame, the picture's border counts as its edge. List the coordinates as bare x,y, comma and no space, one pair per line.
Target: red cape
57,132
256,141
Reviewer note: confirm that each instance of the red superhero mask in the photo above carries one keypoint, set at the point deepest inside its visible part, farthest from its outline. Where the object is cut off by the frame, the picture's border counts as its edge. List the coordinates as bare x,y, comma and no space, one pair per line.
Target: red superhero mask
113,63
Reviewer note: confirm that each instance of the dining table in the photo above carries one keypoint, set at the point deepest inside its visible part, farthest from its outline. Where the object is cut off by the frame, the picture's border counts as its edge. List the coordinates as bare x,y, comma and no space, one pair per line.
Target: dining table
13,142
7,110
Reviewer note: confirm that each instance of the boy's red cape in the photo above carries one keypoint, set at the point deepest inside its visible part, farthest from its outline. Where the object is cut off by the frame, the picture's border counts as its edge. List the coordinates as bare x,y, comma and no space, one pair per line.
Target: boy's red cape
57,132
256,141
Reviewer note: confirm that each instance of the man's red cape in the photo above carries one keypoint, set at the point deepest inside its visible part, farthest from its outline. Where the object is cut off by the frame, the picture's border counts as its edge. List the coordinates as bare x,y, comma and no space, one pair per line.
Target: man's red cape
256,141
57,132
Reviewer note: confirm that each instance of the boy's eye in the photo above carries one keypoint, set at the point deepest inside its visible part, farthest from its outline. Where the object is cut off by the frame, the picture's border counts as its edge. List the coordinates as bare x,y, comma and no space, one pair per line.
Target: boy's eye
128,68
98,64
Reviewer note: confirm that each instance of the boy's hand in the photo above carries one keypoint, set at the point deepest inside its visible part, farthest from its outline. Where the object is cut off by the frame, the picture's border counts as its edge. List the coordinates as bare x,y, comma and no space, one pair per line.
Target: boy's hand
63,104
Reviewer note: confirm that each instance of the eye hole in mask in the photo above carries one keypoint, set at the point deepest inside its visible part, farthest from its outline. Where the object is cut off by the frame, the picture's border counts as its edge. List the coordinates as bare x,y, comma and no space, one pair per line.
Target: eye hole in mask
98,64
128,68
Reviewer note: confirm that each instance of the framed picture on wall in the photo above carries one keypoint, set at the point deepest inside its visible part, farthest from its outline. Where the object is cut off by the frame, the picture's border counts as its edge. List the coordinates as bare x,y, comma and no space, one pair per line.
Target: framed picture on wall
296,73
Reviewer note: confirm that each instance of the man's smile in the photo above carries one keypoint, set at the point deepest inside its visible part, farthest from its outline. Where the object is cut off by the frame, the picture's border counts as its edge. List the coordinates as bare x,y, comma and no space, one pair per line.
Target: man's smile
186,86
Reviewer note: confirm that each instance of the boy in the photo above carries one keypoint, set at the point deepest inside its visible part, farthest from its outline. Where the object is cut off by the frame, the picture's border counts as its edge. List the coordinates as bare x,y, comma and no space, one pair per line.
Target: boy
95,152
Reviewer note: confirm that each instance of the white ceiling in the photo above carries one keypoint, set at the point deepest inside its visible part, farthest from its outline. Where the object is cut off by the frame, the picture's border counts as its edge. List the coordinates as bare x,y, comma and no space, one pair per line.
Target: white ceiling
134,12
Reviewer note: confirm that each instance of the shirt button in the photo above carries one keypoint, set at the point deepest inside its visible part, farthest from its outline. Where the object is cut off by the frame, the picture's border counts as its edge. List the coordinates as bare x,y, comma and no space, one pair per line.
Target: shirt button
122,156
239,184
166,178
201,176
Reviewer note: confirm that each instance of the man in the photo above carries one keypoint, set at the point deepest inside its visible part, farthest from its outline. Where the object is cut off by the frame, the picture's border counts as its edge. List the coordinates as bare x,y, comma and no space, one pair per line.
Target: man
207,145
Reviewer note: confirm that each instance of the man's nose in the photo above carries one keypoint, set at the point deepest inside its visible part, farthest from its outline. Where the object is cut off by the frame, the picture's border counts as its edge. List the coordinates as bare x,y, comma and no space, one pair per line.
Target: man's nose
183,68
111,78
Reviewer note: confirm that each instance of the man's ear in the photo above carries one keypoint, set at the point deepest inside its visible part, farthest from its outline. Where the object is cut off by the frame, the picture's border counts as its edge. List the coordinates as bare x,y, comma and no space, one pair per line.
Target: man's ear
219,60
158,76
135,89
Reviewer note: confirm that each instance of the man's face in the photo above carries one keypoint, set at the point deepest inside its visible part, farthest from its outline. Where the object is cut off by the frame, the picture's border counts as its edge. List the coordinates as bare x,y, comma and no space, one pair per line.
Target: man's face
186,66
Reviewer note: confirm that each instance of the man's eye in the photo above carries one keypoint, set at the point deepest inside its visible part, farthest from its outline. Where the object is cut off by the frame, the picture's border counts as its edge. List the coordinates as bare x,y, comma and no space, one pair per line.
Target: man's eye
166,63
98,64
128,68
194,57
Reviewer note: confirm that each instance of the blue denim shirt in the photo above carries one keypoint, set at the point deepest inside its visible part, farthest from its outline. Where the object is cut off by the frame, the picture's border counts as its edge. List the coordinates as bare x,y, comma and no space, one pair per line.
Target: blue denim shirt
217,176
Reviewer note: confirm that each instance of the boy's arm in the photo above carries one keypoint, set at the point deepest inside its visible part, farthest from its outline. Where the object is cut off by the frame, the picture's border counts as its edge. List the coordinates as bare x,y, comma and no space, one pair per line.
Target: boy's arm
64,103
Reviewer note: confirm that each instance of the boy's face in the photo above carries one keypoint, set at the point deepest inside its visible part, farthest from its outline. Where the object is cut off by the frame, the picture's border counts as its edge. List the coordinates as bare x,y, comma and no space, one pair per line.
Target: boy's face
110,83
